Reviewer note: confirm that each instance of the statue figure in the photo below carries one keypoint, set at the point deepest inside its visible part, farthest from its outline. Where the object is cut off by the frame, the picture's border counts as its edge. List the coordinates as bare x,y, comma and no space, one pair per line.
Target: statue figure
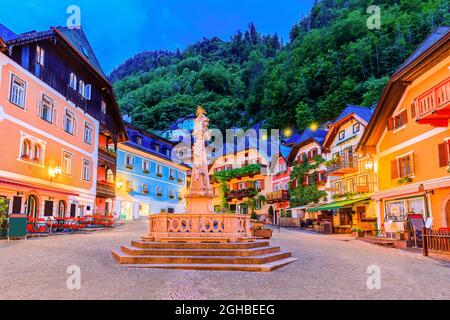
200,185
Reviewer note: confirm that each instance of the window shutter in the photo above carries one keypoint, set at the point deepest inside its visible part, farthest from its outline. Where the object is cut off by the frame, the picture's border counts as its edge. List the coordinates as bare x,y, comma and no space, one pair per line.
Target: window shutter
413,163
55,116
261,182
40,108
235,187
391,124
394,169
404,116
413,110
443,155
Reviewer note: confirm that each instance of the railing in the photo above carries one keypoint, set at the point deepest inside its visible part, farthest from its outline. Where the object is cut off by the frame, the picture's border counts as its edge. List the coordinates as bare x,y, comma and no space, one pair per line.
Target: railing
74,96
343,163
239,194
197,225
435,241
106,189
277,196
358,188
434,99
107,156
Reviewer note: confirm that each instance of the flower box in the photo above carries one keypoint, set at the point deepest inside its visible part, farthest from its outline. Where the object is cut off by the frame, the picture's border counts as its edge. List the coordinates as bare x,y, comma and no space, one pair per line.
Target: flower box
180,181
146,171
159,175
263,233
159,195
129,167
171,178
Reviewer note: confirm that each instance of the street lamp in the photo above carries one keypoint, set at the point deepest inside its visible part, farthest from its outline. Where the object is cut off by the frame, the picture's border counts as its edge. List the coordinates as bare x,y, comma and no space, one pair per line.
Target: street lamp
54,172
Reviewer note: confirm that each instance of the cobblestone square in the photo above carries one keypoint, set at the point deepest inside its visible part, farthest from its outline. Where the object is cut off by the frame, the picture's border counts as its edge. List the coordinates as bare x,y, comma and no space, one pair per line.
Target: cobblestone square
329,267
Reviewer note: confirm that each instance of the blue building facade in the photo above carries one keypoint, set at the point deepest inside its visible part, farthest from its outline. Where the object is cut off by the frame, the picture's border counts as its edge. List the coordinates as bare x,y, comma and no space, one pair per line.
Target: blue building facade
148,181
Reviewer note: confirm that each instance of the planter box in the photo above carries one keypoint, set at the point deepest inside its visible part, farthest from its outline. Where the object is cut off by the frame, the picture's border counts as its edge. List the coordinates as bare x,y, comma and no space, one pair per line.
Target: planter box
266,234
3,233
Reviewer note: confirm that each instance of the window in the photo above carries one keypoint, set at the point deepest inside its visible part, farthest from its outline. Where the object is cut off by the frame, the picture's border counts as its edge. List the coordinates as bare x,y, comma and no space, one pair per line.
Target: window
146,166
69,122
444,154
349,184
37,153
159,170
86,174
129,185
17,94
342,135
40,55
405,166
356,127
46,108
258,204
87,133
398,121
398,209
145,188
73,81
25,149
110,176
159,192
67,163
139,141
81,88
129,160
103,109
88,92
172,194
172,174
338,187
258,185
156,147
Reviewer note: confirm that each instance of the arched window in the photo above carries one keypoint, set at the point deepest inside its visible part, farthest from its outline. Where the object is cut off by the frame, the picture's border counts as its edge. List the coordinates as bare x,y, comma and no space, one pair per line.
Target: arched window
81,88
62,209
32,206
73,81
37,153
88,92
109,176
26,148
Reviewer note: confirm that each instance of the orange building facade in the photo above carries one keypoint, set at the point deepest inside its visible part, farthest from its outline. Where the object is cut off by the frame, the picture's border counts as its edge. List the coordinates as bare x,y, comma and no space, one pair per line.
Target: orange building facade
409,139
48,150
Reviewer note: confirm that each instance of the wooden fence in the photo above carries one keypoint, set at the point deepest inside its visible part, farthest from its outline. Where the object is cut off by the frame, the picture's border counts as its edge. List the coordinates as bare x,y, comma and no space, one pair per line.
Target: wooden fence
435,241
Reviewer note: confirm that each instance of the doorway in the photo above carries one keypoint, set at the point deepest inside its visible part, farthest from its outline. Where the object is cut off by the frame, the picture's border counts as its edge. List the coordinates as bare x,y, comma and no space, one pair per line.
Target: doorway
447,213
61,209
32,206
17,205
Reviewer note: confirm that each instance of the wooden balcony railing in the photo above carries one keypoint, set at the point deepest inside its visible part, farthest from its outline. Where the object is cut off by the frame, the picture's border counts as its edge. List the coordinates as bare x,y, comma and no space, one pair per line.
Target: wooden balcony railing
277,196
240,194
343,164
433,107
106,189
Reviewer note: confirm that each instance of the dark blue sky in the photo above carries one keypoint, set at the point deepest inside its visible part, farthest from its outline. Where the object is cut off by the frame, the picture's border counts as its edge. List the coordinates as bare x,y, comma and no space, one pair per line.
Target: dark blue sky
119,29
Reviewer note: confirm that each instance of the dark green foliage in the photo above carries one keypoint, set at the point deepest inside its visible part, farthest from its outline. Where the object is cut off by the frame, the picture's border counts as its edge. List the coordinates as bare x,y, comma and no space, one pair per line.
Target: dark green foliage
332,59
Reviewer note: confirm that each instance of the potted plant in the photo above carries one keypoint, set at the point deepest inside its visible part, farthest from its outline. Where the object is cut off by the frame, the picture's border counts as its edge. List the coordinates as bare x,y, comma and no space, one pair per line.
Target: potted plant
358,232
405,180
262,232
3,218
171,178
146,171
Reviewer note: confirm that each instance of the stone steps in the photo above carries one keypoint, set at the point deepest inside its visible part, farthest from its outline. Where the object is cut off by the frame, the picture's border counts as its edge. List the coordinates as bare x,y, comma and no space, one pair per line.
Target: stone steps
215,246
133,251
124,258
267,267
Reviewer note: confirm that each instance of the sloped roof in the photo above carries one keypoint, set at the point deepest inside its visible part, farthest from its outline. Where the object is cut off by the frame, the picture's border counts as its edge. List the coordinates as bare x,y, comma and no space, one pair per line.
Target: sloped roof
363,112
308,136
293,140
437,35
74,36
431,52
6,34
79,41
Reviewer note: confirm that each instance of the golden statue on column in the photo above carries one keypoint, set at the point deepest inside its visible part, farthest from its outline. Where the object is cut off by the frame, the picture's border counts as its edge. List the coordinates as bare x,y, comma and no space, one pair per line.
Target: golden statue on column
200,193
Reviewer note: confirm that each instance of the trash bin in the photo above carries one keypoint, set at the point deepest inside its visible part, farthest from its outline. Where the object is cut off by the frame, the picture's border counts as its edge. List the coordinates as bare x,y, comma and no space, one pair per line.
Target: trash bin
17,226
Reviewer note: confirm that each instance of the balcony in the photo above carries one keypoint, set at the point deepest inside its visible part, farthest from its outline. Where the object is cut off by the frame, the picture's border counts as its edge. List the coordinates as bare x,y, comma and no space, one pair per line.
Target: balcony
74,96
342,165
107,157
433,107
241,194
106,189
277,196
343,191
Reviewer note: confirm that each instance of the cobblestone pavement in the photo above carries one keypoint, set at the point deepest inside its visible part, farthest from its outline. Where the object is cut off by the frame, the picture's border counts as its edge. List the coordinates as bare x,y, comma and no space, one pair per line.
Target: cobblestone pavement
329,267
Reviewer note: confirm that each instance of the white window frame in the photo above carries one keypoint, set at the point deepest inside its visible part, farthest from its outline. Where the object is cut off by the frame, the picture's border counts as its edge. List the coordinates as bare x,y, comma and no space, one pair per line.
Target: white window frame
73,81
86,163
145,164
81,88
69,115
88,92
66,170
129,156
18,96
40,55
88,129
46,101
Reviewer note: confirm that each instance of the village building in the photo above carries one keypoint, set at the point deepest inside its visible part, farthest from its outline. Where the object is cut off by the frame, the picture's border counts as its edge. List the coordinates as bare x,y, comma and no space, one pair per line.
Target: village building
149,181
62,119
351,178
408,139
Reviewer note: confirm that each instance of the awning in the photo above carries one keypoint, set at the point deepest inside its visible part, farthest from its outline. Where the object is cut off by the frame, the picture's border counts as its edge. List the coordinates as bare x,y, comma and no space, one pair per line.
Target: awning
336,205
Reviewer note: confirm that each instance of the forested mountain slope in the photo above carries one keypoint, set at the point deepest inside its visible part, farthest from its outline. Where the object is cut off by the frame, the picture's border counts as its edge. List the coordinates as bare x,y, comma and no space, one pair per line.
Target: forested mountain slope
331,59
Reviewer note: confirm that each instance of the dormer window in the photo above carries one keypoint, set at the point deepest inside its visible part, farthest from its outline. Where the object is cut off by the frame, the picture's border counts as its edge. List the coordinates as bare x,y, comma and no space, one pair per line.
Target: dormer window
356,127
342,135
138,140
